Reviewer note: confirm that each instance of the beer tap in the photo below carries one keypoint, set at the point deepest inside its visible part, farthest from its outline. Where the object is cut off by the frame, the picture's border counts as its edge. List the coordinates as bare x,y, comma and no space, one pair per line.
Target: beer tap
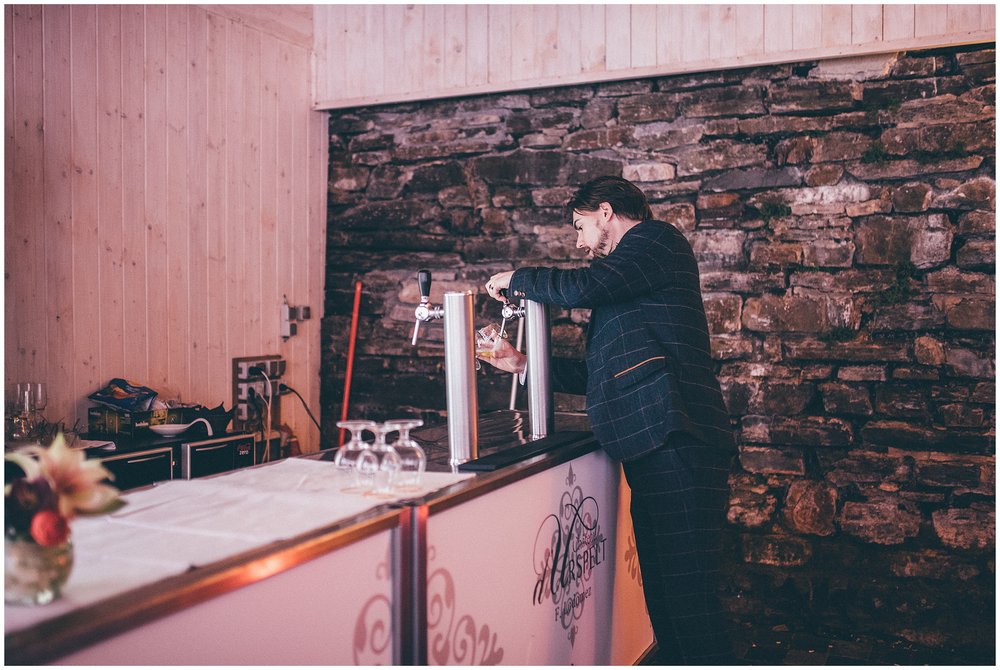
538,349
459,366
509,312
425,311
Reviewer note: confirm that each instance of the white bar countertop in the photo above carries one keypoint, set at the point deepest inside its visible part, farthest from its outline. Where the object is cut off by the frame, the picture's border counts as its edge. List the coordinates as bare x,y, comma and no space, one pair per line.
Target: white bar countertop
175,526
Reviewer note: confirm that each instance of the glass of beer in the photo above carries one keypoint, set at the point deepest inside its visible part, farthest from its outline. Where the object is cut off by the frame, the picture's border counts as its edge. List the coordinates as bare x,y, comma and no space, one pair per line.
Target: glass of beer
487,338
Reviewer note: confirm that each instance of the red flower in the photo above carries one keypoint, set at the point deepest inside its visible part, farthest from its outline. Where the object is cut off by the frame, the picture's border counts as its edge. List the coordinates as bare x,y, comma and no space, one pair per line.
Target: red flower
49,528
58,483
24,498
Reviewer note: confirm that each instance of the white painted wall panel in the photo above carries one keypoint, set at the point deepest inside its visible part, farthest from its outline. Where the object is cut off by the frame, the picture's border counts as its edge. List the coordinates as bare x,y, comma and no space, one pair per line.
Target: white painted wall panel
593,44
898,22
477,46
496,33
866,24
750,30
618,37
535,45
723,36
643,35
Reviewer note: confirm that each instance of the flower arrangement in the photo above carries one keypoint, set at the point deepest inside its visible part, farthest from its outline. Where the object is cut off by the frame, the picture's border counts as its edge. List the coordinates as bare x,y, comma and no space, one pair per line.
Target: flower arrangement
58,483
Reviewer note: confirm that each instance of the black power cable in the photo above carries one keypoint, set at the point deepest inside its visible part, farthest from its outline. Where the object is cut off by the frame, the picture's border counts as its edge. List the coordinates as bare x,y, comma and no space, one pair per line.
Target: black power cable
286,387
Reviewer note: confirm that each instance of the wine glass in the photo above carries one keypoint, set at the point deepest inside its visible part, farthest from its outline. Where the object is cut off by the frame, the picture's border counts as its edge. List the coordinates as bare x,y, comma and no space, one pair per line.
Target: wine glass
40,395
378,476
22,408
355,449
25,397
12,411
412,459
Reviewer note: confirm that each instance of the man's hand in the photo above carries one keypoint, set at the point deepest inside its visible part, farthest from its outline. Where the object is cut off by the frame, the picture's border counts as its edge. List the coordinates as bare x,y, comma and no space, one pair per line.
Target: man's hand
505,357
498,282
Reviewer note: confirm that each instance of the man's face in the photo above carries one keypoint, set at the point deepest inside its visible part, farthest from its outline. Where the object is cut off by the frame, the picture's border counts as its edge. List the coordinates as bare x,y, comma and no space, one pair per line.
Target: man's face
593,234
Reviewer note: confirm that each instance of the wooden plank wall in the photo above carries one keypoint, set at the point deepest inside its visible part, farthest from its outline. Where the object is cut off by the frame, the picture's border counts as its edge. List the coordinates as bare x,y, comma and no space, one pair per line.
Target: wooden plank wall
370,54
165,187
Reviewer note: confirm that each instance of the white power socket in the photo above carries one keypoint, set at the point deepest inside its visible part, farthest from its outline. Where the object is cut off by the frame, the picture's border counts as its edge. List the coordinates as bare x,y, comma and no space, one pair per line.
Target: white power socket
243,395
244,381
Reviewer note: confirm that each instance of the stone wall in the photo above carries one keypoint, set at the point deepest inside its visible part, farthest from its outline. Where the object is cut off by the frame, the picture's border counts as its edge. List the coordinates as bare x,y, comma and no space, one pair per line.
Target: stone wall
843,215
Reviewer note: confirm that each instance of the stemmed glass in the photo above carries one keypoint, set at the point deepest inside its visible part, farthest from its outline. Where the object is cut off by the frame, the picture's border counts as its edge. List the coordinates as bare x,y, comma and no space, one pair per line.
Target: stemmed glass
378,476
11,424
412,458
40,395
21,410
354,450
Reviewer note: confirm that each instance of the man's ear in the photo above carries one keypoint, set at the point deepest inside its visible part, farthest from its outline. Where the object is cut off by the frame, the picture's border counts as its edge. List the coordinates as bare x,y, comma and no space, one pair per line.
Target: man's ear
606,210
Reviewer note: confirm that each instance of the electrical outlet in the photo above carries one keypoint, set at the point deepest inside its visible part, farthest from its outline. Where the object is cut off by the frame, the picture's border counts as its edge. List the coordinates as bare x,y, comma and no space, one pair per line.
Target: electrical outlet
246,384
244,390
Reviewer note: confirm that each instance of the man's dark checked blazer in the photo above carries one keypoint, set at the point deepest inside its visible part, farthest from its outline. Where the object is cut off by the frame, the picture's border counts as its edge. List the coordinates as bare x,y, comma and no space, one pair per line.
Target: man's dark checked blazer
649,367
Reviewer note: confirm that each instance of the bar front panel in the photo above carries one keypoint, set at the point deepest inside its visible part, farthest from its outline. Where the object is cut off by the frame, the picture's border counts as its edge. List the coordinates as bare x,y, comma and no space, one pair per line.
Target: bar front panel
527,574
336,609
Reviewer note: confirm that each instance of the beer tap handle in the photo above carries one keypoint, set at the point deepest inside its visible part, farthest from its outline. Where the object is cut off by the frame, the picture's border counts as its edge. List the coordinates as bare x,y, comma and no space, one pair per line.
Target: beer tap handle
509,311
503,313
423,311
424,284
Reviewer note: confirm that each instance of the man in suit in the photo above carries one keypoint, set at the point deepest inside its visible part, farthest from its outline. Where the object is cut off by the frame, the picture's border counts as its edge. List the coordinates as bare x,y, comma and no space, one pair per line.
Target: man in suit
652,399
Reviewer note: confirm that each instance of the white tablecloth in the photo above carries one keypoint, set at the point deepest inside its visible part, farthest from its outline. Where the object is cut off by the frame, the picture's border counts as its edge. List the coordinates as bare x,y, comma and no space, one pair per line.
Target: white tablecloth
177,525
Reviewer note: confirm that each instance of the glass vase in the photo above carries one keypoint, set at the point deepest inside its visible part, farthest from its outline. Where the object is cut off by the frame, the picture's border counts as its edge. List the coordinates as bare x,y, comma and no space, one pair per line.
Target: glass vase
33,574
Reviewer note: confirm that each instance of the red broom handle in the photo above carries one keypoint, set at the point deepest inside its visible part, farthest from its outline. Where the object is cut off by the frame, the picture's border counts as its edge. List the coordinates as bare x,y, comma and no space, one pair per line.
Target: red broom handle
350,358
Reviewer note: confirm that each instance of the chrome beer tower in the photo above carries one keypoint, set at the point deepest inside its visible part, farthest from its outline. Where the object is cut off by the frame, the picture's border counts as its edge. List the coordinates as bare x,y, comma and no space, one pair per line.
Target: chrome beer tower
460,368
537,347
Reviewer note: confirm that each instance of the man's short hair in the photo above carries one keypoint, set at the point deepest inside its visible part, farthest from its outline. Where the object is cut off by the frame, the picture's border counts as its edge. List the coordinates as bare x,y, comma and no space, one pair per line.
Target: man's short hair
624,197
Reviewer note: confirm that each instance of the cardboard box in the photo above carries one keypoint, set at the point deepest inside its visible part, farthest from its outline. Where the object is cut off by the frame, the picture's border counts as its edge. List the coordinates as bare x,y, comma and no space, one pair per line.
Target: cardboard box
102,420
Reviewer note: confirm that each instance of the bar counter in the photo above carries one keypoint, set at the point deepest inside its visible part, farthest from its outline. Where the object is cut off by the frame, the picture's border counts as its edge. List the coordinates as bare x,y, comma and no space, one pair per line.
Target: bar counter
526,559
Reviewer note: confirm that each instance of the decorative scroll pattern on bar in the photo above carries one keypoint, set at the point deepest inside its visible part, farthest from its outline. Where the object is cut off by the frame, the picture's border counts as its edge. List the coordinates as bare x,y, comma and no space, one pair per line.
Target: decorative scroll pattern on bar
454,639
373,629
570,547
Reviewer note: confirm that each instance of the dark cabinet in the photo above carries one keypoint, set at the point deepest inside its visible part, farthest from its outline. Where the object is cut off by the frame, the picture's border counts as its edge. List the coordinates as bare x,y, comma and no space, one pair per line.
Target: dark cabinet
212,456
140,468
136,463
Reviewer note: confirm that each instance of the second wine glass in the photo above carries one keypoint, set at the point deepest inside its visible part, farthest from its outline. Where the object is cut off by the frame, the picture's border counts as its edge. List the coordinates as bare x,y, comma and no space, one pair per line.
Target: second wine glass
378,476
412,459
353,451
40,394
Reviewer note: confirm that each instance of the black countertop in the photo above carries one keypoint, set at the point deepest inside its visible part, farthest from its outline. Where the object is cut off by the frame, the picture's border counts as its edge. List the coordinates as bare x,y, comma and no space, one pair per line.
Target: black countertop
500,431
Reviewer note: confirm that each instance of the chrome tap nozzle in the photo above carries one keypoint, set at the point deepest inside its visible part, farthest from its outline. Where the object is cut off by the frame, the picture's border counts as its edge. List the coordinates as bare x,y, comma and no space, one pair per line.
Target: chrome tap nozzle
509,311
